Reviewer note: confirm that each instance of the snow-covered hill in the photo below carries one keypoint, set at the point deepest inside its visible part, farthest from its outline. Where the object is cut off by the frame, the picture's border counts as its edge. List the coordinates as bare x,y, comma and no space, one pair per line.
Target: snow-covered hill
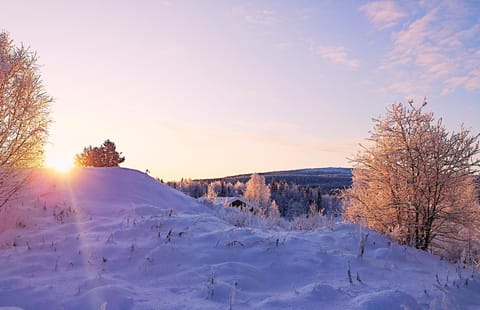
115,238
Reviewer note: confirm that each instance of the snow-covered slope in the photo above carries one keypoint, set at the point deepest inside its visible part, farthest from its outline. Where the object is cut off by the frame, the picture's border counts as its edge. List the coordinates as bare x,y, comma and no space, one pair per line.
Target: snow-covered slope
116,238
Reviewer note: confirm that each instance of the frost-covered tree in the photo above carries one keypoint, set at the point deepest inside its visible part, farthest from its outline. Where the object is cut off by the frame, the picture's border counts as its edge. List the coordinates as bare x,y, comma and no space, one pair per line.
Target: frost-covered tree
313,210
211,192
257,192
293,199
238,188
415,180
196,189
273,210
24,115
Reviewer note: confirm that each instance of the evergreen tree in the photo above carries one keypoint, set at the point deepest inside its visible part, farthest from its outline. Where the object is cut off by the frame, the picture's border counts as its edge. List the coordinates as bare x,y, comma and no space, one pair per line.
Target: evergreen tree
110,157
103,156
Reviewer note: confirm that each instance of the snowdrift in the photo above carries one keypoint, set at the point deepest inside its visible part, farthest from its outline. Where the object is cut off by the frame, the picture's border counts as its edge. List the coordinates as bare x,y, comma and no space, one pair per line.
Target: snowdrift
116,238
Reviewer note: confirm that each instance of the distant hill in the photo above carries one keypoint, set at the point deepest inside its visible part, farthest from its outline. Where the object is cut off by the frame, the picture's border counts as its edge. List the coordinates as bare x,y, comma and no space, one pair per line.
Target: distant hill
328,179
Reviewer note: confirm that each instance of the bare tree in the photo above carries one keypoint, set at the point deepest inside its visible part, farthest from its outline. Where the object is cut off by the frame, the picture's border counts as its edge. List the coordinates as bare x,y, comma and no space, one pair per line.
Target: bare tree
416,180
24,116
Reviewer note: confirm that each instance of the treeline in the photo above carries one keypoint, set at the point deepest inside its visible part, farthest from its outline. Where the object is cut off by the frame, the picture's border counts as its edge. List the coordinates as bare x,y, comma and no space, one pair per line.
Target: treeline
292,199
199,188
329,180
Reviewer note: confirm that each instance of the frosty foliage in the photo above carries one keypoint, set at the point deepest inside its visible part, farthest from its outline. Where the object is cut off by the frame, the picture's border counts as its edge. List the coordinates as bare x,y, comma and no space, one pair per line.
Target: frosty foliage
415,182
257,192
24,115
269,220
305,222
295,200
211,193
291,199
199,188
273,210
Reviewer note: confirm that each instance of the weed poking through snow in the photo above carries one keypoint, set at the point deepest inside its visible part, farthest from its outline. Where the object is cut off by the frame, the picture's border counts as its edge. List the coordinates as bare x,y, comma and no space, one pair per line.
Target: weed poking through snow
349,273
233,293
211,286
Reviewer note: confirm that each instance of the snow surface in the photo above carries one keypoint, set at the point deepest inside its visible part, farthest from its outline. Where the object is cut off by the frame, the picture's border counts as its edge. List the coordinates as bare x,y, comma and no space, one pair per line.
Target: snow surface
112,238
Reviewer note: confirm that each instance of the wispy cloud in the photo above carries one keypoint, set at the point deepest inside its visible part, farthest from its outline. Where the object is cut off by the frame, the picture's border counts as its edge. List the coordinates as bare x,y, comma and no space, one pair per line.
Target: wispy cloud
383,14
469,82
432,49
253,15
336,54
262,17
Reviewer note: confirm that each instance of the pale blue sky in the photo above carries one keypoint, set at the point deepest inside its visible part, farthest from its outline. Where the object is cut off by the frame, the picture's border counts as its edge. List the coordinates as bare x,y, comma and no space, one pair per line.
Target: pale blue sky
214,88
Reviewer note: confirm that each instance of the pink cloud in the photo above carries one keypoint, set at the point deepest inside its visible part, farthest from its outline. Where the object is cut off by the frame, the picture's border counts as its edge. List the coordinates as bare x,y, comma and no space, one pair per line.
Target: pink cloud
433,50
383,14
337,54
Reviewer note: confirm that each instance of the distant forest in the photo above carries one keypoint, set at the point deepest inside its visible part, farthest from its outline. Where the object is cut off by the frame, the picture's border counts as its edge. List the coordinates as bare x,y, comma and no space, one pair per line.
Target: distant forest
329,180
296,192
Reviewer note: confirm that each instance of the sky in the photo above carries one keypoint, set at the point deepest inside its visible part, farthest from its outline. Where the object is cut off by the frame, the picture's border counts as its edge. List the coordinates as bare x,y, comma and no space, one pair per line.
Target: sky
199,89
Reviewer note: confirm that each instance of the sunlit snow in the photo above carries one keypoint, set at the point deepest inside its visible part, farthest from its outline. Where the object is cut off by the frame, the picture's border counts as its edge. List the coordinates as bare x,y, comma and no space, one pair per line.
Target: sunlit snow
112,238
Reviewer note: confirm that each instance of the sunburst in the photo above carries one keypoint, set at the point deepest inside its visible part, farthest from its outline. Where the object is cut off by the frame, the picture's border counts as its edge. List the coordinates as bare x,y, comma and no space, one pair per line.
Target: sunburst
60,163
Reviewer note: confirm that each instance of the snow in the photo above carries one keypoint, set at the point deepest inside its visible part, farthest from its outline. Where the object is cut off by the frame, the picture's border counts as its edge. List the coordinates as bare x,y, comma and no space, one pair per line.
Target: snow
113,238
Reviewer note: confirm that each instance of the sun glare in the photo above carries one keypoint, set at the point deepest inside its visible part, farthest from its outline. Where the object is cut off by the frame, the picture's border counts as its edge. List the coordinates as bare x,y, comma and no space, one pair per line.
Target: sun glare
61,164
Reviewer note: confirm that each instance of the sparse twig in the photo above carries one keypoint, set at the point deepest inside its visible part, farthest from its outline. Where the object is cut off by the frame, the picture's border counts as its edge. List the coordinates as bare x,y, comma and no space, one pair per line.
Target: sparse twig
358,278
361,246
169,236
56,264
110,238
211,286
233,292
349,273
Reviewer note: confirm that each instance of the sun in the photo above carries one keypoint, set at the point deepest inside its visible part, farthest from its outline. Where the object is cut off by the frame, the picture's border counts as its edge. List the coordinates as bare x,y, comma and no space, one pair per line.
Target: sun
60,163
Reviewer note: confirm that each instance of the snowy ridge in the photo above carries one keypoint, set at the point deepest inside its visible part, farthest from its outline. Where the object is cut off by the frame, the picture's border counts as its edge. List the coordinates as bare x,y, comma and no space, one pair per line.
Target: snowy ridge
116,238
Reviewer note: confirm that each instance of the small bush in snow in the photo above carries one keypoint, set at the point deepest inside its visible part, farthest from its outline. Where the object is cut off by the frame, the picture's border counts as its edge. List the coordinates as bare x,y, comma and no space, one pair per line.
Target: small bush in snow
270,220
304,222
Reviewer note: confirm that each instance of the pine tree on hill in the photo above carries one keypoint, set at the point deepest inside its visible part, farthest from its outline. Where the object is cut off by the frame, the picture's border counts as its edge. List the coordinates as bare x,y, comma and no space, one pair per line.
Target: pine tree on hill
103,156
